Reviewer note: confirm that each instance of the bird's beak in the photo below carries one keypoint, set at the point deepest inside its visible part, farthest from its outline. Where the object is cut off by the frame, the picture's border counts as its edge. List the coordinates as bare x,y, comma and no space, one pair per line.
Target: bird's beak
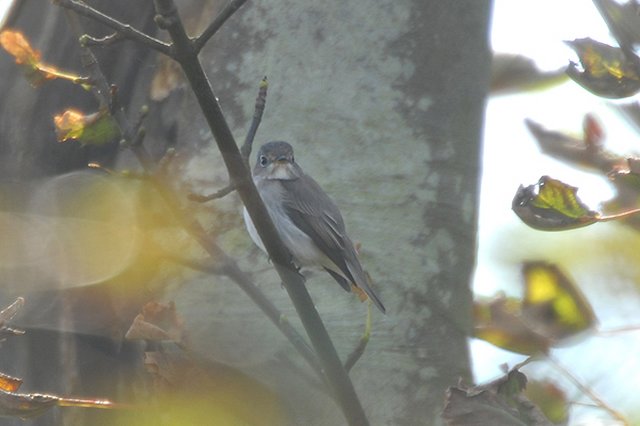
282,159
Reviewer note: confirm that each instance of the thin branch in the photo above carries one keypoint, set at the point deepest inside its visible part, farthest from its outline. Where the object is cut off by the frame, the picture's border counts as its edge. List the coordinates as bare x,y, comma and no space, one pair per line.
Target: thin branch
245,150
217,23
226,264
240,176
216,195
261,102
362,344
588,392
125,30
108,40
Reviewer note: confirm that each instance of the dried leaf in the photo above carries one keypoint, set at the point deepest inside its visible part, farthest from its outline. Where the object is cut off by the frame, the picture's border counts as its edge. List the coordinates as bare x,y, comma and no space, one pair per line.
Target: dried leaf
551,205
499,403
605,70
92,129
36,72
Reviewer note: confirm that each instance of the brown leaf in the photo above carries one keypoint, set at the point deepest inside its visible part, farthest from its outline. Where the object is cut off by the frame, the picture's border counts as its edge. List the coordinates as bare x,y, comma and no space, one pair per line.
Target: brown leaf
499,403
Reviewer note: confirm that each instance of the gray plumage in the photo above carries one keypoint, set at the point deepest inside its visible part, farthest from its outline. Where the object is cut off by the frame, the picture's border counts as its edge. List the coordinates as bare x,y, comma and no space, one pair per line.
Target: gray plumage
307,220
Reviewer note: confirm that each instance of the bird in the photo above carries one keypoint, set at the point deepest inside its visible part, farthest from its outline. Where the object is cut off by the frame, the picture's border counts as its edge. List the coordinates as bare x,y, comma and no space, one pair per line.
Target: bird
306,218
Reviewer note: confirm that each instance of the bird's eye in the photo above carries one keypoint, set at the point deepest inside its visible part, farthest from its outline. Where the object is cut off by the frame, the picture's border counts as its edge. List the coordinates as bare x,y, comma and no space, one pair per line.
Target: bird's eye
263,160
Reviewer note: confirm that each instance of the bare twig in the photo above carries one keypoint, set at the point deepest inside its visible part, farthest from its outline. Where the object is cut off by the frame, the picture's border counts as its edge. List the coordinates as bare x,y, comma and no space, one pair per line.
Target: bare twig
293,282
217,23
108,40
124,30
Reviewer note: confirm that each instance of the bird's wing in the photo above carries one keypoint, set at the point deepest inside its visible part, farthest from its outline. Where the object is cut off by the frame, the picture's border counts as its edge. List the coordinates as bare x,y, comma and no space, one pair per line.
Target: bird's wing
311,210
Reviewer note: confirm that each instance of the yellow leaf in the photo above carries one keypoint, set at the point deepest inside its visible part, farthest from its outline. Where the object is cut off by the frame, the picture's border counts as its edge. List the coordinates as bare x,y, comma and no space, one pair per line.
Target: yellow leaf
553,304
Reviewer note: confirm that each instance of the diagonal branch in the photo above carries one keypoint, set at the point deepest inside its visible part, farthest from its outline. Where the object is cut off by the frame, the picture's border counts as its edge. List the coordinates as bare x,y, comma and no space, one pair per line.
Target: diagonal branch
124,29
245,150
341,385
217,23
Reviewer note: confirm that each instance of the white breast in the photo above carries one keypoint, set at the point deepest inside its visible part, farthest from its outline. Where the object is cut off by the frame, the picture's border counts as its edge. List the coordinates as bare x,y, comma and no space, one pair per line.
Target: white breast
304,251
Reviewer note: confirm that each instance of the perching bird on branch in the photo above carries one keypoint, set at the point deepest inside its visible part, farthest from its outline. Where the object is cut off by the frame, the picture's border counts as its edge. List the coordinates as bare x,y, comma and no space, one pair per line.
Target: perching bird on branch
307,220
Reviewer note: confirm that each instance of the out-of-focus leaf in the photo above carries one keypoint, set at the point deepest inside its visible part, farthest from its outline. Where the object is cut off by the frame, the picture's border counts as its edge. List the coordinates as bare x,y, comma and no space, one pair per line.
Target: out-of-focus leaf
92,129
166,78
194,391
593,133
499,321
586,152
623,19
605,70
552,310
10,311
6,315
628,176
25,405
499,403
550,399
35,71
553,305
551,205
158,322
516,73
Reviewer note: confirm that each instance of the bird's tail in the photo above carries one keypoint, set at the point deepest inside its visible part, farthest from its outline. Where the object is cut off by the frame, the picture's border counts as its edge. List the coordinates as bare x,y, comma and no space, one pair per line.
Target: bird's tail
363,281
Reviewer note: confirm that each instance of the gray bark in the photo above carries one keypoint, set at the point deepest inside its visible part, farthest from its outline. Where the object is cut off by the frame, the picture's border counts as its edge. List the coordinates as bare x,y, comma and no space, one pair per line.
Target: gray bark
383,102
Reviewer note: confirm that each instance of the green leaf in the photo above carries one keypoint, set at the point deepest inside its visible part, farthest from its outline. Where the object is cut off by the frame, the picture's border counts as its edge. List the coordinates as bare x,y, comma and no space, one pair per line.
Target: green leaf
604,70
91,129
551,205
